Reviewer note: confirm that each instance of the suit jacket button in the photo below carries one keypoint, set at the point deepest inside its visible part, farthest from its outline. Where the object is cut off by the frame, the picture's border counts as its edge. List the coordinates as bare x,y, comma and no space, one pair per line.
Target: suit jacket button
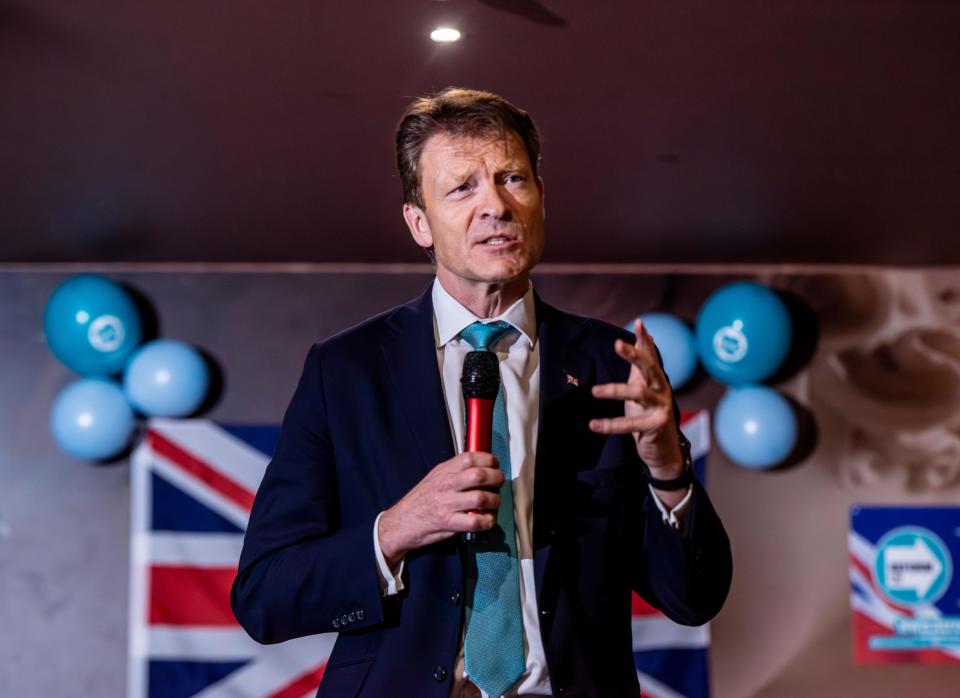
344,620
361,614
336,622
351,616
440,674
455,597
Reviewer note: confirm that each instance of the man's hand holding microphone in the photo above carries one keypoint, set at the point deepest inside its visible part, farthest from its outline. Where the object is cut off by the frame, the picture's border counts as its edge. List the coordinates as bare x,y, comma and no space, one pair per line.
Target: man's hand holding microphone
460,494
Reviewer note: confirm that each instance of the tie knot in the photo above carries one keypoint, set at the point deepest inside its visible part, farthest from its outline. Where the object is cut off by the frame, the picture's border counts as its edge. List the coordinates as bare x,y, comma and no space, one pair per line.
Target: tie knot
483,336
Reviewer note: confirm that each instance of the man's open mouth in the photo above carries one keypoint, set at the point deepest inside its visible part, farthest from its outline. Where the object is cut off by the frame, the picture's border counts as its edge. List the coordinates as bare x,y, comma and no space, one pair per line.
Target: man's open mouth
495,240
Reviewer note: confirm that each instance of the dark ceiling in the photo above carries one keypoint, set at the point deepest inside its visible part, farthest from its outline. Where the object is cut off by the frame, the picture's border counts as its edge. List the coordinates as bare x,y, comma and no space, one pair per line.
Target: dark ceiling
233,130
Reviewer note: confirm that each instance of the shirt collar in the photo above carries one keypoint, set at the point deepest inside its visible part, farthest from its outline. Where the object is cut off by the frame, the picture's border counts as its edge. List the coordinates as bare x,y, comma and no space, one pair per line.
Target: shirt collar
452,317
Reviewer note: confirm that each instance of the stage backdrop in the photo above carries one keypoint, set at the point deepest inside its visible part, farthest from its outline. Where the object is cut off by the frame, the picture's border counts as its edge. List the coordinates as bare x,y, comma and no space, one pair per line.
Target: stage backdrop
883,387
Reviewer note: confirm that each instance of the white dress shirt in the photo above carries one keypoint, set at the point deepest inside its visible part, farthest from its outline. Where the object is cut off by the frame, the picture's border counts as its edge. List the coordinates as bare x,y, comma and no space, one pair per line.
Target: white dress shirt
520,377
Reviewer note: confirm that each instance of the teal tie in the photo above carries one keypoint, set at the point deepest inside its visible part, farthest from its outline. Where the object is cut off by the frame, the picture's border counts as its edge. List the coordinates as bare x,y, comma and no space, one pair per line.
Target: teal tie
493,645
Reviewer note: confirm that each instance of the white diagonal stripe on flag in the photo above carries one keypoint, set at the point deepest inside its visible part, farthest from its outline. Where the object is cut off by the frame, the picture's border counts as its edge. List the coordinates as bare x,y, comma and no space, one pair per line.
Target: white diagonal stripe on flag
652,688
861,549
273,669
201,643
881,614
658,632
200,549
241,463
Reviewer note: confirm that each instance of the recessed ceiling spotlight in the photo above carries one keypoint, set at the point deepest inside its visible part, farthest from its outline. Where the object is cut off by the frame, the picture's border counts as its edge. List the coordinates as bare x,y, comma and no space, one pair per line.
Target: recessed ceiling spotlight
445,35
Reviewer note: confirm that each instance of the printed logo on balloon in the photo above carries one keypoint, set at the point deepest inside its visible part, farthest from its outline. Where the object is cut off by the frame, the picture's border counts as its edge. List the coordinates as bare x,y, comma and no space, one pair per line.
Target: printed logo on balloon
730,343
106,333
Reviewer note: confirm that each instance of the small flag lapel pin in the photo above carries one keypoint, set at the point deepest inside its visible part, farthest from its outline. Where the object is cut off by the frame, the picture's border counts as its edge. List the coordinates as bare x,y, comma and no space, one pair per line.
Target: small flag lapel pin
572,379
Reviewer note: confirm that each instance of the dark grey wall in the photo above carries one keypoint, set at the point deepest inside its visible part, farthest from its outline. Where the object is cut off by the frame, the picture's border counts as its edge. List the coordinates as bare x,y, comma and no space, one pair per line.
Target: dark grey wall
812,131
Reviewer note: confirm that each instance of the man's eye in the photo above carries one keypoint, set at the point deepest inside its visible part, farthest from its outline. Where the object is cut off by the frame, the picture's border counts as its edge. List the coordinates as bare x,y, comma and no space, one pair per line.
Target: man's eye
459,190
514,178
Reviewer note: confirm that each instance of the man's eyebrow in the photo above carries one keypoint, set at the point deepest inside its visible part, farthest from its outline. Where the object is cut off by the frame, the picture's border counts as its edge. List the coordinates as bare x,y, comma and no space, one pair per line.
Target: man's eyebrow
517,162
454,175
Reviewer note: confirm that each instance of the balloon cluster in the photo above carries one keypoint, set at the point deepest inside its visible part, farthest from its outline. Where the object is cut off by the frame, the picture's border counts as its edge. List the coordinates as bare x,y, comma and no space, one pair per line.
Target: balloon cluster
93,327
742,336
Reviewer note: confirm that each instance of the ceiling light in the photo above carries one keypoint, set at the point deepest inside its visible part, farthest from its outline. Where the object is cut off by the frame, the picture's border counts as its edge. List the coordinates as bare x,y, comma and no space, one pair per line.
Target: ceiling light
445,35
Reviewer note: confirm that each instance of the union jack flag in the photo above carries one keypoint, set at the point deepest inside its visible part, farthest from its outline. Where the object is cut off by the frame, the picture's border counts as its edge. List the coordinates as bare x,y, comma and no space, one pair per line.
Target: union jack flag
671,659
193,483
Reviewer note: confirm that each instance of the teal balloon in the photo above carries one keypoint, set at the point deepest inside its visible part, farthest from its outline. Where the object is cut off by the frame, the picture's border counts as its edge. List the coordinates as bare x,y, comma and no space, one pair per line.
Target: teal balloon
166,378
755,426
676,343
92,420
92,325
743,333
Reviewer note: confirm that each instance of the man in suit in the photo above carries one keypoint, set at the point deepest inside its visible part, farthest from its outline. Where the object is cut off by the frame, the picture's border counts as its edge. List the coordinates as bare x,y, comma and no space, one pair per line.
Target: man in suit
588,493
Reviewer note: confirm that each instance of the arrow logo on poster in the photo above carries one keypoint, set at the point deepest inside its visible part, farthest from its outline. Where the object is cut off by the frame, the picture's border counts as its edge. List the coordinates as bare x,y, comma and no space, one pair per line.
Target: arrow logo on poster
911,567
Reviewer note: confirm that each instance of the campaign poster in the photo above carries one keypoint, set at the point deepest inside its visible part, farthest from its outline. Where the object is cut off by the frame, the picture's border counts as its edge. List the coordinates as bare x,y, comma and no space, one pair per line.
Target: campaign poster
903,587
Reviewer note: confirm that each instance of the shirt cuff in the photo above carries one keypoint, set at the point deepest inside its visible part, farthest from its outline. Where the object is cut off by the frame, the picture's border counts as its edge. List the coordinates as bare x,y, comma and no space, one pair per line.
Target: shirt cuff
676,517
391,583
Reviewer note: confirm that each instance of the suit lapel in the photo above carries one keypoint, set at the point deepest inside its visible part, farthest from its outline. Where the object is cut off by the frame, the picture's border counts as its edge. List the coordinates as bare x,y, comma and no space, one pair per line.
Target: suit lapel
565,373
410,355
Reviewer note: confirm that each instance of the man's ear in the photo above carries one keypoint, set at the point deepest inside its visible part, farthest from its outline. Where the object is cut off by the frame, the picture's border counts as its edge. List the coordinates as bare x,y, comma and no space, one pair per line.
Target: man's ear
418,224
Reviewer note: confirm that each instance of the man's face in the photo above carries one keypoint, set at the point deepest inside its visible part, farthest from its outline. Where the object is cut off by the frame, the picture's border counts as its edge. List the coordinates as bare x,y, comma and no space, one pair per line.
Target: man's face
483,209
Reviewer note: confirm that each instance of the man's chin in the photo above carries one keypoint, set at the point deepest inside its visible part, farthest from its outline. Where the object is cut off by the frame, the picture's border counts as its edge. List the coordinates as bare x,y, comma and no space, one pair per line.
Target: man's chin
506,268
494,272
505,274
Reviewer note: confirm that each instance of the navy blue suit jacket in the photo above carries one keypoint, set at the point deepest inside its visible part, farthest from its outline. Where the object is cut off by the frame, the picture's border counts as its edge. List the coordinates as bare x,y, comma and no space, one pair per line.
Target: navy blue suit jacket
367,422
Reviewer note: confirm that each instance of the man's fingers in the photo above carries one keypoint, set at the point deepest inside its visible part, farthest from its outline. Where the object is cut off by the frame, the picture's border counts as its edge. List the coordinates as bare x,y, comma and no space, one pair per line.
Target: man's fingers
642,359
472,521
473,459
657,376
477,500
629,425
644,339
477,477
628,391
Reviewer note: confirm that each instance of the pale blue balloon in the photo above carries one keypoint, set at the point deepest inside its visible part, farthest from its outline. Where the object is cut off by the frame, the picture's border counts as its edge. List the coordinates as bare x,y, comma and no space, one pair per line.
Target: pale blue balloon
91,324
743,333
676,343
755,426
166,378
92,420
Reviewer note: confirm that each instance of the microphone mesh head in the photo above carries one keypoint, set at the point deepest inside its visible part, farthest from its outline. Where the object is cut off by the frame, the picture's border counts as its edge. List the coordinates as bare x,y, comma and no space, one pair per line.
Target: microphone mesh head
481,375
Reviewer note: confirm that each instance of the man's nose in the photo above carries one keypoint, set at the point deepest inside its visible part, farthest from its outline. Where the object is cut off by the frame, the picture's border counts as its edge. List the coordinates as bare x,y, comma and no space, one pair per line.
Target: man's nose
495,205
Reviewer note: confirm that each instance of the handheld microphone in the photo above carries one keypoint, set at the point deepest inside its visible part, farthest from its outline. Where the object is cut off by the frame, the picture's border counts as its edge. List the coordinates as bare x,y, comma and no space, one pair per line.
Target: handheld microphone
480,383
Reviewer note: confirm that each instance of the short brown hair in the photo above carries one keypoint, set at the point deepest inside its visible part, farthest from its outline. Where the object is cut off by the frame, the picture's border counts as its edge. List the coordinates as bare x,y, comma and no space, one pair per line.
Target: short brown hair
459,112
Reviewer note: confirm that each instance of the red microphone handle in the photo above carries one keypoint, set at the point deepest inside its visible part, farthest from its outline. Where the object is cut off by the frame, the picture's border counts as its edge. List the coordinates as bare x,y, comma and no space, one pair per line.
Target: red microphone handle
479,424
478,434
